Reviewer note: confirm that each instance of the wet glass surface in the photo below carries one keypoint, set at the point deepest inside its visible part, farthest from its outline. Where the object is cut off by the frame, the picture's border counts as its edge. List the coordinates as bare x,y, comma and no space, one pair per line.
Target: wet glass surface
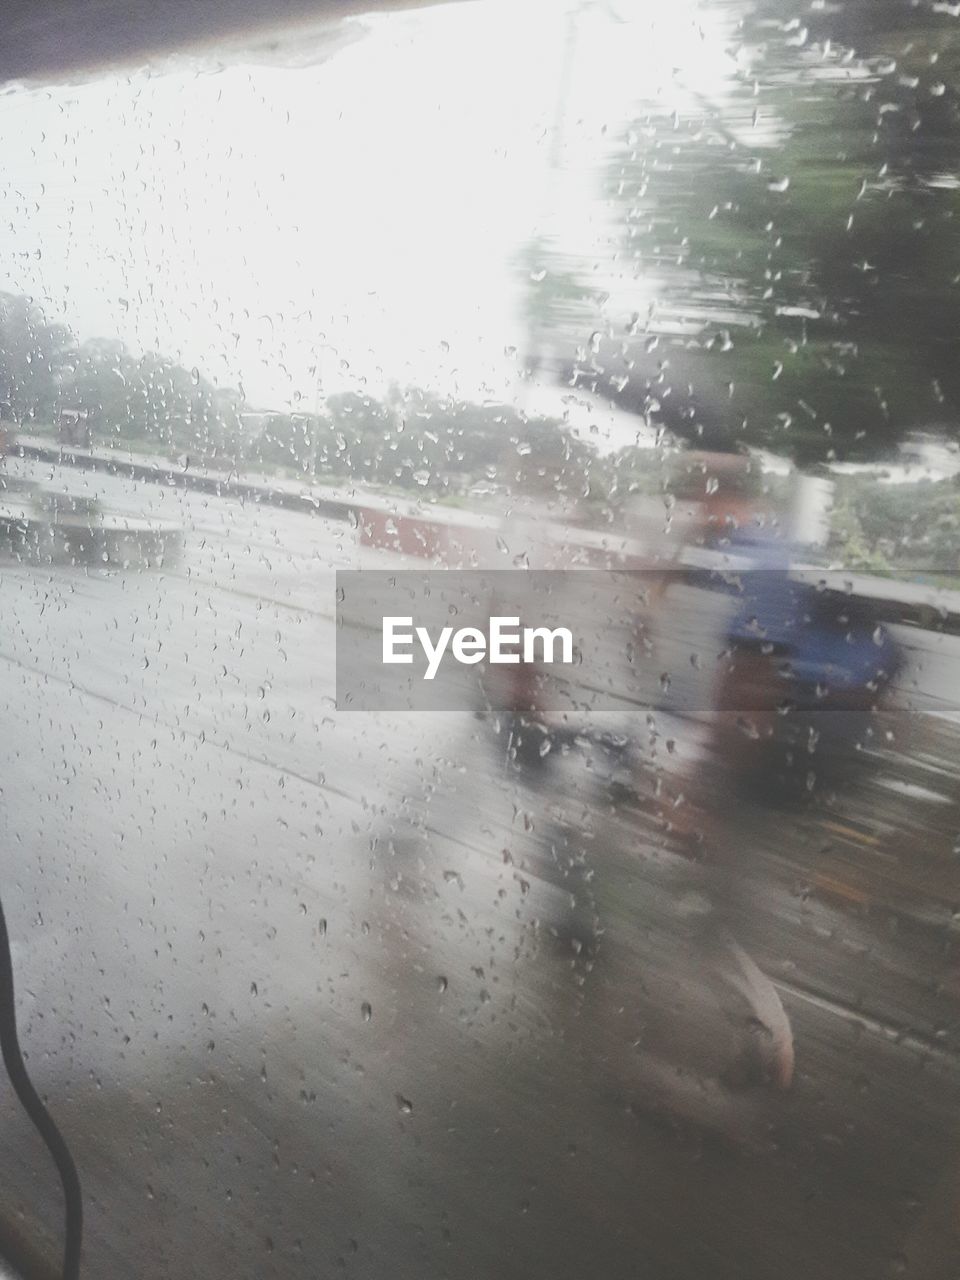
641,965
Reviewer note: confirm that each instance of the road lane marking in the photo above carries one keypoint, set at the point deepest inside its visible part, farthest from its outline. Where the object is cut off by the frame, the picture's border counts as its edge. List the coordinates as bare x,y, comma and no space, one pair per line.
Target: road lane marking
887,1031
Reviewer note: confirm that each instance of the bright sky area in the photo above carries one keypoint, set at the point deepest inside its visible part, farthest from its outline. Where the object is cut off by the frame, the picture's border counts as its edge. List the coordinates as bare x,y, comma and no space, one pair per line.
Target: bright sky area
300,229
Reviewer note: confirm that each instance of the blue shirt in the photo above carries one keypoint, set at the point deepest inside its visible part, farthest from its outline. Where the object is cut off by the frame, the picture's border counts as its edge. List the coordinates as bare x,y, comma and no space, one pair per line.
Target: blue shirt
826,640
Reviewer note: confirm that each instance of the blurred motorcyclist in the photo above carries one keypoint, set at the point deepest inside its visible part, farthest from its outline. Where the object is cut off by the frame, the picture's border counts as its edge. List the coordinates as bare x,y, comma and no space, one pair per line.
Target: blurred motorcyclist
797,684
803,670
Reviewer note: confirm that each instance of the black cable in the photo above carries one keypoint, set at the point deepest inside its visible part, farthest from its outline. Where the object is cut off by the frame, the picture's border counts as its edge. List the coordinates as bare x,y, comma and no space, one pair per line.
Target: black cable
29,1099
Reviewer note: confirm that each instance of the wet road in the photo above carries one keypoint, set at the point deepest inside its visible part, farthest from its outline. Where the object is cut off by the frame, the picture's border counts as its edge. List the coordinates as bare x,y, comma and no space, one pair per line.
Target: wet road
289,981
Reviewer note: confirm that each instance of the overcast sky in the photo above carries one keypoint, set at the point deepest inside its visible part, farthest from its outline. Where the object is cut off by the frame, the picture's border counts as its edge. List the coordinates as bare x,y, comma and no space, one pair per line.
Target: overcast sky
360,216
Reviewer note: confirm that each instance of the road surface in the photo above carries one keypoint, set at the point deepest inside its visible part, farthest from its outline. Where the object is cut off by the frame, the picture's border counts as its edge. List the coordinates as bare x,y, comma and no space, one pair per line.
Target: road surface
290,982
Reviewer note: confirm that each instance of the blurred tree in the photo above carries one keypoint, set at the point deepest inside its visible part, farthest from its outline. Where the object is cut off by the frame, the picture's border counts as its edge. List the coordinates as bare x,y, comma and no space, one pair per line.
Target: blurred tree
792,245
411,438
34,357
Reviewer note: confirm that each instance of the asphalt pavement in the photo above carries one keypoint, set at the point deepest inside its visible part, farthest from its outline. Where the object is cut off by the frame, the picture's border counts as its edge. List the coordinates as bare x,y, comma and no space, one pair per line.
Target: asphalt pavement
297,985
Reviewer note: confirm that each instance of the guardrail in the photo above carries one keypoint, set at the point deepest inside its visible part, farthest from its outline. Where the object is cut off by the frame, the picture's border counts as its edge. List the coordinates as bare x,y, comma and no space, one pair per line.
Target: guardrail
444,534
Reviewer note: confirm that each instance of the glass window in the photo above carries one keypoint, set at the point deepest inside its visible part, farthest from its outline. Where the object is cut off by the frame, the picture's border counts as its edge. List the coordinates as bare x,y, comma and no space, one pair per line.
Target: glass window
352,928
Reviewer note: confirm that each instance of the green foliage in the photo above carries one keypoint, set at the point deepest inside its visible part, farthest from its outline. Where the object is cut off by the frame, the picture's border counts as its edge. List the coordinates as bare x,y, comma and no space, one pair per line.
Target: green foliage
34,357
905,526
411,439
824,269
553,294
150,398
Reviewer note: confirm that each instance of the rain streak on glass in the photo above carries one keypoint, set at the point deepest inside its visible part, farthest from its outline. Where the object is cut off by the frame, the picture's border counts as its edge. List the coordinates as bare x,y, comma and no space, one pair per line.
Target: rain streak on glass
589,968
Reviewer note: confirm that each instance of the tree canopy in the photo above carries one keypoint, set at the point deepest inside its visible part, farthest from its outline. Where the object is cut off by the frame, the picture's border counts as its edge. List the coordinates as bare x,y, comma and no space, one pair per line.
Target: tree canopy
788,265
